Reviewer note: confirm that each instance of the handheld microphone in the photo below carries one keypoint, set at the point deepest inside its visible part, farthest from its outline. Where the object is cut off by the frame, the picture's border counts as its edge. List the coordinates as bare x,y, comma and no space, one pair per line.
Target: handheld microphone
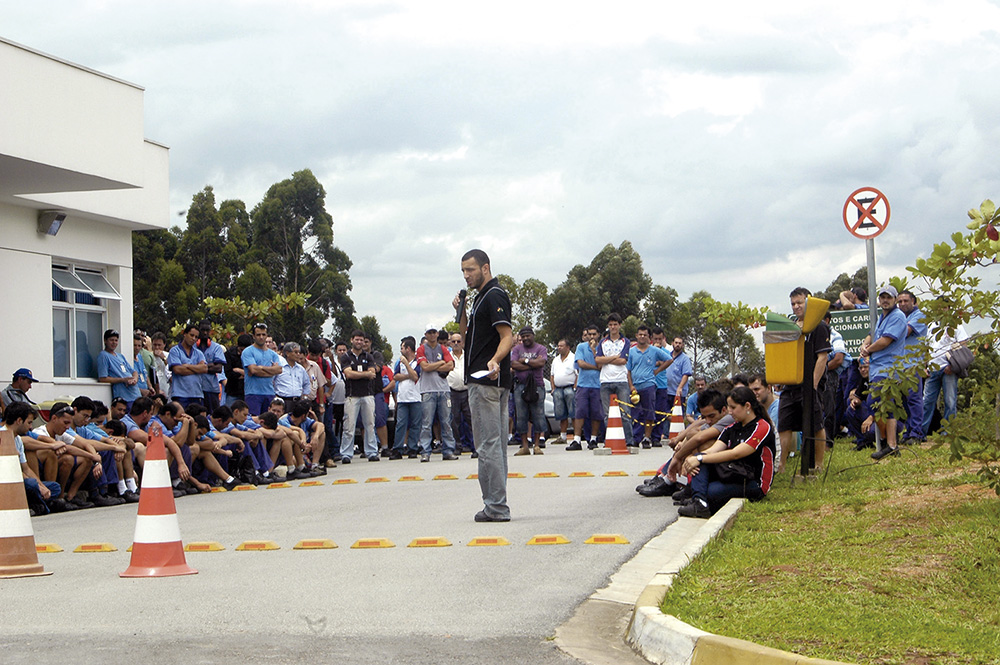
461,305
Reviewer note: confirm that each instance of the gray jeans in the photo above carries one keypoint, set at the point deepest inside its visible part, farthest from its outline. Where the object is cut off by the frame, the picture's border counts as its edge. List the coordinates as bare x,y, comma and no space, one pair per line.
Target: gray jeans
621,390
489,429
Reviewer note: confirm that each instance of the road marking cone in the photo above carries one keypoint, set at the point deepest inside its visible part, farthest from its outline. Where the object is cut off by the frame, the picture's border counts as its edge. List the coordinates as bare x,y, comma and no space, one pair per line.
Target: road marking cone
18,556
614,438
156,548
676,419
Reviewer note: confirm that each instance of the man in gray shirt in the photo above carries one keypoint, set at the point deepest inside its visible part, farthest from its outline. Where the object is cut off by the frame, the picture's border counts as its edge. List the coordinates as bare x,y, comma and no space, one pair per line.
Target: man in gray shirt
19,386
435,394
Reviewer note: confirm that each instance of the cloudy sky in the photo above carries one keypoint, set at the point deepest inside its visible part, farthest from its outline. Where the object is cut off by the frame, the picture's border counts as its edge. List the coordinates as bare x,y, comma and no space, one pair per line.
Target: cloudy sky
721,138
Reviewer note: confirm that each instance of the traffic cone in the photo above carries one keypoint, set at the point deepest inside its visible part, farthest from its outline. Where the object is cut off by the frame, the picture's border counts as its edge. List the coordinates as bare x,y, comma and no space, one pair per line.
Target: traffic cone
156,547
614,438
676,419
18,556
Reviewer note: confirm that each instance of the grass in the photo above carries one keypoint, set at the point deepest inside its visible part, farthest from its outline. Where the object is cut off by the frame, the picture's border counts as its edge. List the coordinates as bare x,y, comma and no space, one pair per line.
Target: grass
894,562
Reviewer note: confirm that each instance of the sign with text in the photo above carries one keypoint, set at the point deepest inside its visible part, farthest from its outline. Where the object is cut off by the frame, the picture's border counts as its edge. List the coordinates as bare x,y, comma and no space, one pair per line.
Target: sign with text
854,325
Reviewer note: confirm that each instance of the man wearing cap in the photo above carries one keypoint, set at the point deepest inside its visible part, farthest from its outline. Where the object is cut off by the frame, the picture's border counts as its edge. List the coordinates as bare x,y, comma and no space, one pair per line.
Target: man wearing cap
528,359
18,389
435,360
488,337
114,368
889,344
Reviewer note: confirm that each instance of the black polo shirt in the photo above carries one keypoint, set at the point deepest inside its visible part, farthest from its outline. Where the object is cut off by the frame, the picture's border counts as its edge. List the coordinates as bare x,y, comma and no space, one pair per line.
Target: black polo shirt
359,363
490,309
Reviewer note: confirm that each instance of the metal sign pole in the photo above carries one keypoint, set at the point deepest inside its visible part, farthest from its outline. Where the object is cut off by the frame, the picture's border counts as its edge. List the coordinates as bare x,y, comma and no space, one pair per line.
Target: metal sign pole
872,311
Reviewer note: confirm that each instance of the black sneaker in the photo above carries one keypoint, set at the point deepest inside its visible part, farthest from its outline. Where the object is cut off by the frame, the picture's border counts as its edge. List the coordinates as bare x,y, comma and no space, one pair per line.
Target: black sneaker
697,508
373,458
657,444
178,493
591,444
395,454
659,487
130,497
60,505
647,444
682,494
575,445
103,501
412,455
448,457
885,451
80,501
474,455
230,484
345,460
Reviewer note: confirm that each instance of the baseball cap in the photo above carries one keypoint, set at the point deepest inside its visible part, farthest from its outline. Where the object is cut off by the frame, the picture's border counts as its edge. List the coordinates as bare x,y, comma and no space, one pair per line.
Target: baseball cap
888,288
430,328
25,373
526,330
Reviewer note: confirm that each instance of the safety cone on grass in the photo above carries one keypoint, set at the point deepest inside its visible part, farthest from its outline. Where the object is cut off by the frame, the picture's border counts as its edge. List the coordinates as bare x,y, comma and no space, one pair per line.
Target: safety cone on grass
614,438
676,419
156,548
18,556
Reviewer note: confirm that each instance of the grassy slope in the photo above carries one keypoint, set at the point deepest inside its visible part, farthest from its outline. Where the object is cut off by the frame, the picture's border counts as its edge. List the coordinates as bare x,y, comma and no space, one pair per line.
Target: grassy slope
896,562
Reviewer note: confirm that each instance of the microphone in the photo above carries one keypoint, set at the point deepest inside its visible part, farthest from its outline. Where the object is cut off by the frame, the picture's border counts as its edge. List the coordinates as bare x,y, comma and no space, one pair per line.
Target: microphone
461,305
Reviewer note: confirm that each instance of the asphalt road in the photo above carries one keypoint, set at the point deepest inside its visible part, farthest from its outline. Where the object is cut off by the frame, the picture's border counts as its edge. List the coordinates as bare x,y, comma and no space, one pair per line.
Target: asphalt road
401,604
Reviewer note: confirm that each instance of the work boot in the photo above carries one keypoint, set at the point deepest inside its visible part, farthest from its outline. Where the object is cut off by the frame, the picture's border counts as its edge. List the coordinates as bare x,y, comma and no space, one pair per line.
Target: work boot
538,450
523,450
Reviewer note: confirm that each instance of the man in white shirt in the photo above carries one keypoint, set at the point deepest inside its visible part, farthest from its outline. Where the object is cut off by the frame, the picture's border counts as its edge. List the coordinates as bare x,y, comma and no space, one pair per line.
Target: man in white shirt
293,382
409,407
940,378
563,380
612,357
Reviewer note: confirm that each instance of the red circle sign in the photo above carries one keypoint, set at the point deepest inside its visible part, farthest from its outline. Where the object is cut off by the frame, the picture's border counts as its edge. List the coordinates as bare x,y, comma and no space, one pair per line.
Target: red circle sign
866,213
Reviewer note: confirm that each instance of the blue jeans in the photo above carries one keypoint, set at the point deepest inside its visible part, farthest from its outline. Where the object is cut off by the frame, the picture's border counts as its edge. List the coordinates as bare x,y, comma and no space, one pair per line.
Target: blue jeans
438,404
535,411
34,495
564,402
621,390
644,411
936,383
409,422
716,493
915,412
489,428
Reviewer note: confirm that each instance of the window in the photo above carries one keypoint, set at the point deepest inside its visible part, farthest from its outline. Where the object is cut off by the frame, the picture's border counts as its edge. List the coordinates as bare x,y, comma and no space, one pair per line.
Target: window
79,319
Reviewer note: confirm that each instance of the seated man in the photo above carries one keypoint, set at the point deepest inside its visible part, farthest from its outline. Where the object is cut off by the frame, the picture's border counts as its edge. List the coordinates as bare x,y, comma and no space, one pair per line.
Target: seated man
174,426
208,448
256,438
700,435
310,433
740,464
81,458
43,496
110,450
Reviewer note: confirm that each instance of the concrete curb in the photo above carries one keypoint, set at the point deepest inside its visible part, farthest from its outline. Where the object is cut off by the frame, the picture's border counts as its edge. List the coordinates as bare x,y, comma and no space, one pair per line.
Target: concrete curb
665,639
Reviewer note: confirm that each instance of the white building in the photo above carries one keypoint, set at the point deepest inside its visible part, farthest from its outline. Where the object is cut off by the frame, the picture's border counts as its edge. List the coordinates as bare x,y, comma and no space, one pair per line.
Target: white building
71,149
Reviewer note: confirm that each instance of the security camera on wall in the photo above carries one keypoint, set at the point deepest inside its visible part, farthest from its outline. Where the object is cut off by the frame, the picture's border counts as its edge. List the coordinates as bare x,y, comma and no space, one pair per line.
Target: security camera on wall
50,221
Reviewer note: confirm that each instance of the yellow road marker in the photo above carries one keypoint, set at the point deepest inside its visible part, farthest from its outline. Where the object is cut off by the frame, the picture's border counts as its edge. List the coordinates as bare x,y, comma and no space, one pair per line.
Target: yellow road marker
278,486
648,472
377,479
96,547
257,546
311,483
409,479
614,474
549,539
244,488
315,544
483,541
581,474
472,476
206,546
346,481
372,543
446,476
547,474
515,474
429,542
606,539
47,548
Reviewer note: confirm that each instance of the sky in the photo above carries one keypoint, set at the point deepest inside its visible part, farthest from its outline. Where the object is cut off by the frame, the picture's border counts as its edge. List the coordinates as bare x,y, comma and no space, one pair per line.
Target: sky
722,139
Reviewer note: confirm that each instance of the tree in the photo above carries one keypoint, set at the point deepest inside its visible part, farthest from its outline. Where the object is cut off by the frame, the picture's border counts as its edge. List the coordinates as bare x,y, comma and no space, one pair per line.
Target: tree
200,251
527,301
371,326
844,283
660,307
291,237
613,282
952,279
736,349
699,333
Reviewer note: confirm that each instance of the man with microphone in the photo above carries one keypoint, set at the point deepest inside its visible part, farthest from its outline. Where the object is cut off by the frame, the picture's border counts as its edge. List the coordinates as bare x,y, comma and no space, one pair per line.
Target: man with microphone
488,341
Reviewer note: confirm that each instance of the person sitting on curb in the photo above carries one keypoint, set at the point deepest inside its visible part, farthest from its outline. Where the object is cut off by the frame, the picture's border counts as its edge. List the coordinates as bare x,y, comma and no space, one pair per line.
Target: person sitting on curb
740,464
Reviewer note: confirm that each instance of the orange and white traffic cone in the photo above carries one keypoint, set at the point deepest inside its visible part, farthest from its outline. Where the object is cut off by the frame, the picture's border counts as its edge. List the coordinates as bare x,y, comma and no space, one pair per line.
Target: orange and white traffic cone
156,547
614,437
676,419
18,556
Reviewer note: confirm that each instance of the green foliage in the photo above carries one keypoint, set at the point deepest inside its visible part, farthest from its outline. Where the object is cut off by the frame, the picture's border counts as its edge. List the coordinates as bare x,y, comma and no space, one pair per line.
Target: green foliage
630,325
527,300
735,349
952,275
700,334
280,250
844,283
613,282
661,307
379,343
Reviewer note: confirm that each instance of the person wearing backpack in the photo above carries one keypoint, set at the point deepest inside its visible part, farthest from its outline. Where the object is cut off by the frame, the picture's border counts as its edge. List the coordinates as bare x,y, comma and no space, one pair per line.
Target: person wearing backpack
527,359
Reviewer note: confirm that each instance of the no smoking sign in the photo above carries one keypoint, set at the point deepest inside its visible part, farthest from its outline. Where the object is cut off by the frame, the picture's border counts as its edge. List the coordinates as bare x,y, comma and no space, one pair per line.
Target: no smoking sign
866,213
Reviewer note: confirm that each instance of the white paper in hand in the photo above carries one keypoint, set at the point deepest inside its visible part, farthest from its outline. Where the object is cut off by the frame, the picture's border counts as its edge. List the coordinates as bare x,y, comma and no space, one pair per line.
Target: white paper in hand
481,374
